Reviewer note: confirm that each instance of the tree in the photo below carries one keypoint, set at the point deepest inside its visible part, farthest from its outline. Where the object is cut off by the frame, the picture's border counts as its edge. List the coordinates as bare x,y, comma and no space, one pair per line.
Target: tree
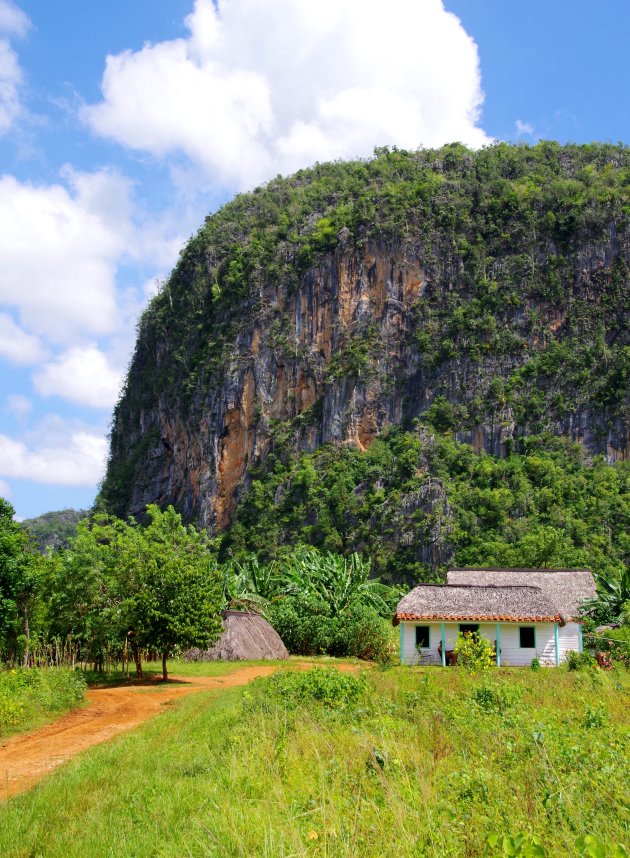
174,585
18,583
86,586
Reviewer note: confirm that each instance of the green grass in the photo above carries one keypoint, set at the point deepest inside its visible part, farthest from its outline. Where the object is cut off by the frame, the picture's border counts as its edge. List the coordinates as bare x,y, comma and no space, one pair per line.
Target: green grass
430,762
29,698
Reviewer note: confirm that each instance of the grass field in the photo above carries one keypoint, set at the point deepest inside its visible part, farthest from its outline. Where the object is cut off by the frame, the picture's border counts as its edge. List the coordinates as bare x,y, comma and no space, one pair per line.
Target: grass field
426,762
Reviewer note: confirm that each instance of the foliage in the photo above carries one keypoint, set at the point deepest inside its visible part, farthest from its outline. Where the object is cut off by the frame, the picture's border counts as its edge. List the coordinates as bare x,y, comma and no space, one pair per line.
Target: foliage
495,698
474,652
19,572
613,594
326,686
416,502
29,695
307,628
119,586
318,602
174,589
332,579
579,660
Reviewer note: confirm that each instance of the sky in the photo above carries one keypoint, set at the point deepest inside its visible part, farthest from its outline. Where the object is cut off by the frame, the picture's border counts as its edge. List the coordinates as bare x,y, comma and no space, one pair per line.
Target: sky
123,124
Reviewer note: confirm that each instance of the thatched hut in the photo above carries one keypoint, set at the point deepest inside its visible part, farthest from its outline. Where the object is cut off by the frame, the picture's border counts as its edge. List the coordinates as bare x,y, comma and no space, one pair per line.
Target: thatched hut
246,635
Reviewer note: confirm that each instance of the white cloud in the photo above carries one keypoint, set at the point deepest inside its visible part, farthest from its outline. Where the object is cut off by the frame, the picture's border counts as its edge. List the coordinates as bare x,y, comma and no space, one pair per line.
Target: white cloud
10,81
258,88
523,128
18,405
74,458
18,346
82,375
5,489
13,22
12,19
59,248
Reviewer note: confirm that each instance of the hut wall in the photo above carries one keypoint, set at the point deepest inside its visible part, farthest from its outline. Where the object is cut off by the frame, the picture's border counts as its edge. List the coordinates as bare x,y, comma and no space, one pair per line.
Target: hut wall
511,651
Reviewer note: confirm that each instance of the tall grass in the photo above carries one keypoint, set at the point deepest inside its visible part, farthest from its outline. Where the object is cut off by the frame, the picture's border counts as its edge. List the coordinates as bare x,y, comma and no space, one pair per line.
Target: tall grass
418,762
32,695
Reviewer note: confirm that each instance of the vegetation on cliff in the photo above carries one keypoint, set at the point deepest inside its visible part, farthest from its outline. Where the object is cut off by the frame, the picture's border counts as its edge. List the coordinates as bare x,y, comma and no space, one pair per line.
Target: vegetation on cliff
418,501
54,529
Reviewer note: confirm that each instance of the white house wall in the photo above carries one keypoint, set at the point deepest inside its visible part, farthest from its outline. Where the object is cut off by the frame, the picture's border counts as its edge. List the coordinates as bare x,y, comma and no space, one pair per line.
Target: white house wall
511,651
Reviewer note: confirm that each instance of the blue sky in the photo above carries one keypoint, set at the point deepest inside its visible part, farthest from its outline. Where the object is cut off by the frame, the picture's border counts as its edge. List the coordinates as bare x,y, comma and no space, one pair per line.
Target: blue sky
109,165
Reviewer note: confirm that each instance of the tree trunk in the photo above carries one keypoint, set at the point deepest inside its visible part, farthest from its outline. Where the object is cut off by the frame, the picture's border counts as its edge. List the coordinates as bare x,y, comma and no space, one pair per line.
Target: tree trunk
137,659
27,635
164,670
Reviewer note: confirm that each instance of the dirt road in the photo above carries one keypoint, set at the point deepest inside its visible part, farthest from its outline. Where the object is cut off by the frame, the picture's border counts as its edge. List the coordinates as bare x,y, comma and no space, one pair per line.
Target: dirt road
27,758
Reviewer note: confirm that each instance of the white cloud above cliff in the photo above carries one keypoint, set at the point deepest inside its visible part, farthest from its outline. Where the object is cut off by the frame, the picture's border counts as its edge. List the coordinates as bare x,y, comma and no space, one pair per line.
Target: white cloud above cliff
66,289
57,452
259,88
82,375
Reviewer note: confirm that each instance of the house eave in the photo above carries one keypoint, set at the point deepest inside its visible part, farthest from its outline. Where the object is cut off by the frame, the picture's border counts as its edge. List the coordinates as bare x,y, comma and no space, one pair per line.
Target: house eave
476,618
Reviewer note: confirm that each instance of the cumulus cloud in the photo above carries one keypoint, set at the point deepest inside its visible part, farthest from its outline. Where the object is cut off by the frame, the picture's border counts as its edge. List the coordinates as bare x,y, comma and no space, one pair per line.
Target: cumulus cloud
5,489
82,375
18,346
60,247
258,88
69,456
13,22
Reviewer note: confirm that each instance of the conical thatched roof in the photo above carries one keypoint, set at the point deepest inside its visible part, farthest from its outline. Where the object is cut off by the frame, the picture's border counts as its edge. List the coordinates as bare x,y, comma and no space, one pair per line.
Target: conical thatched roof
246,635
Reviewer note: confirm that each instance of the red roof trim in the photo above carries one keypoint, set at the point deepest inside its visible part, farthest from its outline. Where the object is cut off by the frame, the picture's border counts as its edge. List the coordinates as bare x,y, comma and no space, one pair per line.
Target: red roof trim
494,618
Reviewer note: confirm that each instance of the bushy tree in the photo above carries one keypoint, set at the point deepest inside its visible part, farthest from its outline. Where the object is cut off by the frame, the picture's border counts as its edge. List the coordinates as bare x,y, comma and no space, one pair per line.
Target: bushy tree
174,591
154,587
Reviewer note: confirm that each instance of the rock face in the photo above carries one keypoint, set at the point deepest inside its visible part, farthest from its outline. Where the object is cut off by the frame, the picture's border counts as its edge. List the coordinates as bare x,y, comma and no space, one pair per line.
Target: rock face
491,298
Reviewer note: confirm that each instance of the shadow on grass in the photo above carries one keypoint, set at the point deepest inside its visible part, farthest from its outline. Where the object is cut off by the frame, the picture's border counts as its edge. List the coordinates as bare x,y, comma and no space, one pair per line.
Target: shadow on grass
116,679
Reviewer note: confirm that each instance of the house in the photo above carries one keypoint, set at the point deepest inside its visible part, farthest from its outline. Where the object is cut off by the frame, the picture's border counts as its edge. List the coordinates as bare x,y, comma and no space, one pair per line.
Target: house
525,613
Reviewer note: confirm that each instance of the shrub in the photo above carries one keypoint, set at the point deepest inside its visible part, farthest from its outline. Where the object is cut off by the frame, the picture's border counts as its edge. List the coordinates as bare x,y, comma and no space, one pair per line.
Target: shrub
578,660
326,686
474,652
307,629
493,698
364,634
535,665
26,695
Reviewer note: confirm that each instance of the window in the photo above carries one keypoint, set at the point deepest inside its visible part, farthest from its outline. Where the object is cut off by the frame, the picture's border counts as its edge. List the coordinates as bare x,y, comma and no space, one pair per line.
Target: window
466,628
422,637
528,637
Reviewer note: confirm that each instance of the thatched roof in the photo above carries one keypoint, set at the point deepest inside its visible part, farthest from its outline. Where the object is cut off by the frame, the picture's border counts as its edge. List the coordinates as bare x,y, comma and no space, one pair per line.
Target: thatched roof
477,604
246,635
566,589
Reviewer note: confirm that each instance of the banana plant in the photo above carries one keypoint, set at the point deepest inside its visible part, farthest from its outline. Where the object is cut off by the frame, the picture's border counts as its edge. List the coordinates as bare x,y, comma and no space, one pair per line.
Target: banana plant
613,595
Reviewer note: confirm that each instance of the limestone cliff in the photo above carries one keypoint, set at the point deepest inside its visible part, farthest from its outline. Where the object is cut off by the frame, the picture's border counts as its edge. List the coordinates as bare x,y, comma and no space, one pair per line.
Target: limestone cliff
487,293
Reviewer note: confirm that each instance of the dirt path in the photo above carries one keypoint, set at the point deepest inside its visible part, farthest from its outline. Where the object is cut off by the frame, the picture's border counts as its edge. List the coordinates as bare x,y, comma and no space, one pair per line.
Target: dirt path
27,758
